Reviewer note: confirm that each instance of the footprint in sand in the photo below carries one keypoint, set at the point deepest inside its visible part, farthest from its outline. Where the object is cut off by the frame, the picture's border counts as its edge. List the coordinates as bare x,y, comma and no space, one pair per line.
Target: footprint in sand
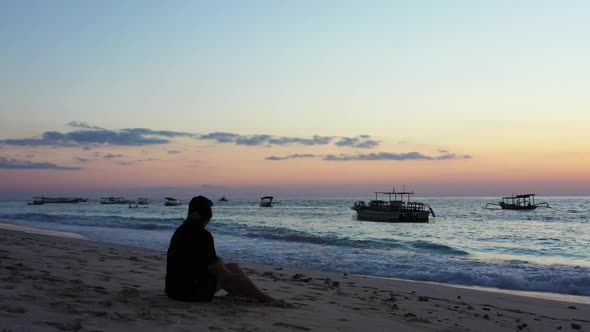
67,326
291,326
12,309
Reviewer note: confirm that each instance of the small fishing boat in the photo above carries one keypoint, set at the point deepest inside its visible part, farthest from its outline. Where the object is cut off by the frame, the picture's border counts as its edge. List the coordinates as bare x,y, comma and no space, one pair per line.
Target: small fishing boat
143,201
223,199
113,200
36,202
393,210
517,202
171,201
54,200
266,201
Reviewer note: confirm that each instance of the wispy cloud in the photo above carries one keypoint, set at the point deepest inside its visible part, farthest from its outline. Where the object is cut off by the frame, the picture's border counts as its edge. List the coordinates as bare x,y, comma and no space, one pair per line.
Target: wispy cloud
363,142
82,124
133,162
111,156
253,140
394,156
81,159
87,137
292,156
6,163
374,156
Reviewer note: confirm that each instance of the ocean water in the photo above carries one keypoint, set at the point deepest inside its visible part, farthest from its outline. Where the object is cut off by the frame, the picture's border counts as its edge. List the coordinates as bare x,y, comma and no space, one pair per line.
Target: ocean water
542,250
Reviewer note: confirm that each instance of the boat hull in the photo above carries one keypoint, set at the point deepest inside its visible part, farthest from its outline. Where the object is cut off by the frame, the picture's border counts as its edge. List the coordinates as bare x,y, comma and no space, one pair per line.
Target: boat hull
393,216
517,207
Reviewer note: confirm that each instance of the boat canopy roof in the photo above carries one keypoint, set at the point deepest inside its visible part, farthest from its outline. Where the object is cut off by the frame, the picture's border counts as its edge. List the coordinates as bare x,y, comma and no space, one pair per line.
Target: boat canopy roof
267,197
519,196
171,199
395,192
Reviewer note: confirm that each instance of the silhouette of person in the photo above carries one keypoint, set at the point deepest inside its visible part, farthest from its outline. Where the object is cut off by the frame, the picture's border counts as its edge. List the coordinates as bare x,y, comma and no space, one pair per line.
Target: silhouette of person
194,272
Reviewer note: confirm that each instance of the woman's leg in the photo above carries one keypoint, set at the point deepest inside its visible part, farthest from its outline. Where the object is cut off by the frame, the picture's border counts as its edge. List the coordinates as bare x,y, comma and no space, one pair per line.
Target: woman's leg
240,284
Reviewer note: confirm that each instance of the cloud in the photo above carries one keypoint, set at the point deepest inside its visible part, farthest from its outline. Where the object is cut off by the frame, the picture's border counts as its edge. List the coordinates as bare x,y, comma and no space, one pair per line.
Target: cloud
87,137
292,156
6,163
254,140
362,141
164,133
81,159
82,124
111,156
315,140
173,152
133,162
453,156
394,156
220,137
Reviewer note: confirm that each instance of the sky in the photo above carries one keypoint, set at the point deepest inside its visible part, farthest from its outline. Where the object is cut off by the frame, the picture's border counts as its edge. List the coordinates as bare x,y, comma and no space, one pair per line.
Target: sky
295,98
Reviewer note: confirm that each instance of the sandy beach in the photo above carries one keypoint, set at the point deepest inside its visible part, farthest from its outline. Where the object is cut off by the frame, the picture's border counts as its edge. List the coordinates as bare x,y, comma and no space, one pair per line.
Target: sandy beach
55,283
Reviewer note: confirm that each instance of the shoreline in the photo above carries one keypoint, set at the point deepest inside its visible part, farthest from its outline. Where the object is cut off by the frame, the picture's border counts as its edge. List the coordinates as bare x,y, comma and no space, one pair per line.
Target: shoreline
70,284
533,294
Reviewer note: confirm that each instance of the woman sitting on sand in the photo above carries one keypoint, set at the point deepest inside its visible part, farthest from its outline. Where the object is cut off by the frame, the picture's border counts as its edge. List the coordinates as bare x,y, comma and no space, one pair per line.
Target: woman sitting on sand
194,272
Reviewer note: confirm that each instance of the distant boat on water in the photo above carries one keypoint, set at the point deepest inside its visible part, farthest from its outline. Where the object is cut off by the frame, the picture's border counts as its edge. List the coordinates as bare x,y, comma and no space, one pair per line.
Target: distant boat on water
171,201
113,200
393,210
54,200
517,202
223,199
143,201
266,201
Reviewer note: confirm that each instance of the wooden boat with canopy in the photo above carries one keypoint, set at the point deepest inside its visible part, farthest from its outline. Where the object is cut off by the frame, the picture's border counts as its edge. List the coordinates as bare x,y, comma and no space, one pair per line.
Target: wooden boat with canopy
398,209
517,202
266,201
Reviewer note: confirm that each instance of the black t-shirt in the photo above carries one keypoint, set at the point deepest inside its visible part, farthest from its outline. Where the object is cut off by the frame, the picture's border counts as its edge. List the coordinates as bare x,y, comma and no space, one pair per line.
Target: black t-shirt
191,252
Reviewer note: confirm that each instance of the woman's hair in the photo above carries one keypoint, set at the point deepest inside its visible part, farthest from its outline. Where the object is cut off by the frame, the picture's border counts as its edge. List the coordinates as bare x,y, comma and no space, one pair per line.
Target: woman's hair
199,210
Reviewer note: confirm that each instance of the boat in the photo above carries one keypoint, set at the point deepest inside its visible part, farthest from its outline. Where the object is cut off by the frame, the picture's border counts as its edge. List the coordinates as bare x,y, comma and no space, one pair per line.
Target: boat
143,201
517,202
393,210
113,200
42,200
133,204
171,201
223,199
36,202
266,201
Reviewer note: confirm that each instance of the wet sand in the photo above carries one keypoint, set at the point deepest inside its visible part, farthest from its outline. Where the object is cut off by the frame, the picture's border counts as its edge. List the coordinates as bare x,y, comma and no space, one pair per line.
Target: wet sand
51,283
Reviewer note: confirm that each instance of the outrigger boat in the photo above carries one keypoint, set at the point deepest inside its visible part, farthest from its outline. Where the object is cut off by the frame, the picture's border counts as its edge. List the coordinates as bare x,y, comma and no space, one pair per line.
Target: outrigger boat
113,200
517,202
172,202
393,210
266,201
143,201
42,200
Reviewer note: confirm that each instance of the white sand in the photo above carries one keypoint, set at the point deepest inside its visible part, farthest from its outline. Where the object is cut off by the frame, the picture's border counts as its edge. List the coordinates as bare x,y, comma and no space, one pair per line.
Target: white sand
66,284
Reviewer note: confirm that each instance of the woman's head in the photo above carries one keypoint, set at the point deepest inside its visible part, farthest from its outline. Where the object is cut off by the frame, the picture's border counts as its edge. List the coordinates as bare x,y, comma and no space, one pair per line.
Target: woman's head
199,210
